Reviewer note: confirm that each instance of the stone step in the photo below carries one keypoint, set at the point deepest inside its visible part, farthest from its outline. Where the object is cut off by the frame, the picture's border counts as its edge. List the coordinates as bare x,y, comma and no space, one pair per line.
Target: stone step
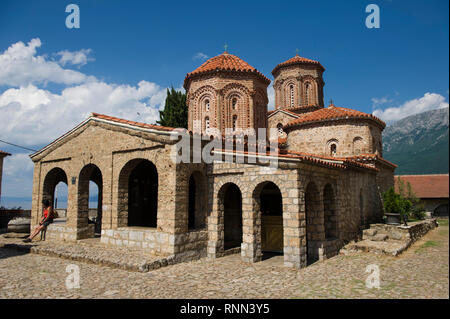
369,232
380,237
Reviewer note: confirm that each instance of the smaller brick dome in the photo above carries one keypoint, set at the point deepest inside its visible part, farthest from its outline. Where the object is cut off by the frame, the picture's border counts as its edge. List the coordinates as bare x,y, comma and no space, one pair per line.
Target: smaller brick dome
224,62
296,60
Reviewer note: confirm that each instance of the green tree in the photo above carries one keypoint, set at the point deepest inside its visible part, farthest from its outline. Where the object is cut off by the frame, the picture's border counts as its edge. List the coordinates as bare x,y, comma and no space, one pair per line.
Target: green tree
175,112
416,208
392,202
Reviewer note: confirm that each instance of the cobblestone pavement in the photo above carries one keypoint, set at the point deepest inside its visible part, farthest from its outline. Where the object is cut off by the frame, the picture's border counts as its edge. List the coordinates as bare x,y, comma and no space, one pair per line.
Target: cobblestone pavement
420,272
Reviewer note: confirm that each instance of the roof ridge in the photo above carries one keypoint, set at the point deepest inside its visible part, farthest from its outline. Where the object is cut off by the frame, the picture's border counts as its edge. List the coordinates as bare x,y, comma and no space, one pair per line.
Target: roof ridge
334,113
297,59
224,62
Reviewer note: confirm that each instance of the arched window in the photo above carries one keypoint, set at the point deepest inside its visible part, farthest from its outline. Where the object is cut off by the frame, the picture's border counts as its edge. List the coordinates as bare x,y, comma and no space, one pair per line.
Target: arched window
207,123
280,129
234,122
333,149
234,103
307,93
291,92
207,104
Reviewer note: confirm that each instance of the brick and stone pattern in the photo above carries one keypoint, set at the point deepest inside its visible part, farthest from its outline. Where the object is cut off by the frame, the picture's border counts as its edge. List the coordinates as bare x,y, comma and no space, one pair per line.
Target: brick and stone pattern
279,118
292,83
249,94
350,137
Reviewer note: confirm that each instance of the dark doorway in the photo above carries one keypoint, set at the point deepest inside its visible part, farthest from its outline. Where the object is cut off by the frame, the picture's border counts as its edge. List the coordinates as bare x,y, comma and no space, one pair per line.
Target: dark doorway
90,213
314,222
232,217
271,219
143,195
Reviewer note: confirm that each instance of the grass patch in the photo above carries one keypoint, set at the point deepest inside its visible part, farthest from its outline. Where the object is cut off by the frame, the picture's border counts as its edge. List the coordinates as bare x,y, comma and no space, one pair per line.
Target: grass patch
443,222
443,232
429,243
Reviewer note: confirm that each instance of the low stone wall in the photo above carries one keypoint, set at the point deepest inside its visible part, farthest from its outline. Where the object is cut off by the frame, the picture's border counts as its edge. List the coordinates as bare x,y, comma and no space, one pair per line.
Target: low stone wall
187,246
409,233
390,239
58,230
7,214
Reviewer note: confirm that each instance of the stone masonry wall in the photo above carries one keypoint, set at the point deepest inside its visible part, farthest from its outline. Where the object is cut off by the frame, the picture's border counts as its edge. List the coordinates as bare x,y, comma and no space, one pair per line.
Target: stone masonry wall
350,138
110,149
277,118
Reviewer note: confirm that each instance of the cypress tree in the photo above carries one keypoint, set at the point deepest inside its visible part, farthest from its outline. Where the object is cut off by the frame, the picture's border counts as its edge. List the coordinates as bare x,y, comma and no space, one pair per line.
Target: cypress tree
175,110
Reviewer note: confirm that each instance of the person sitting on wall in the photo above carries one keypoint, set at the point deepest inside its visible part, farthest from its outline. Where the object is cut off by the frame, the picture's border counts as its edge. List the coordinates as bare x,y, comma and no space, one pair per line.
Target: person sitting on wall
46,220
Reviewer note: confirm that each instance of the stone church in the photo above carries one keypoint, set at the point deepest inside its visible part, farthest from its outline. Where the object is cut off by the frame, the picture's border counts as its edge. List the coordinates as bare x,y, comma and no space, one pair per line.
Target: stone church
325,189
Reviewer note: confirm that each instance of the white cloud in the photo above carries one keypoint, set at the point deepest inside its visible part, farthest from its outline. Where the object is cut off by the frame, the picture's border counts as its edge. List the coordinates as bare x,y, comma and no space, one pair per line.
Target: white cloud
430,101
380,101
50,115
33,116
17,175
19,65
79,58
200,56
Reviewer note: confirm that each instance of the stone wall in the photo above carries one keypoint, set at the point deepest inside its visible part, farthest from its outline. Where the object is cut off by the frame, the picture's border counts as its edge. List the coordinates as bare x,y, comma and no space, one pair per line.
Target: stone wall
59,230
188,246
350,137
385,177
109,148
7,214
292,180
278,118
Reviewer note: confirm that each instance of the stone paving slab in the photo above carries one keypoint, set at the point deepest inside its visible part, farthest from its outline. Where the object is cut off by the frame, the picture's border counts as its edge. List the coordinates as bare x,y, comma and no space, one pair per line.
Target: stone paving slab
90,251
420,272
393,248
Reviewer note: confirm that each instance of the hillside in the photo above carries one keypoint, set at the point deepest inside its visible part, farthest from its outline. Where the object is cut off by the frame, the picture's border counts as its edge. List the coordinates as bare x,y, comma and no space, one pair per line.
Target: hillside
419,144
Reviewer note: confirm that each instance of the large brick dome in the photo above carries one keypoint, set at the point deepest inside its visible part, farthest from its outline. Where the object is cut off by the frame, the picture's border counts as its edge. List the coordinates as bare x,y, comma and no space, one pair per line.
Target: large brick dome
224,62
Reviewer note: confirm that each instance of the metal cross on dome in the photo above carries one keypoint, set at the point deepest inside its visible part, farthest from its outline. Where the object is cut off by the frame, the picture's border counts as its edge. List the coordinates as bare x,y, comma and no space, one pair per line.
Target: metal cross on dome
296,51
225,47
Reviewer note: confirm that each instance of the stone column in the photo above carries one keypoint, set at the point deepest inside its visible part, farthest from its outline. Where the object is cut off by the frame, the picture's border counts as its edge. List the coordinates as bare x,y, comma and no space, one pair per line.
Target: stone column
72,208
36,206
294,227
251,231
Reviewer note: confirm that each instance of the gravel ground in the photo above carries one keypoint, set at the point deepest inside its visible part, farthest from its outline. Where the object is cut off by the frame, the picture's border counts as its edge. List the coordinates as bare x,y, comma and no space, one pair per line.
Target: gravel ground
420,272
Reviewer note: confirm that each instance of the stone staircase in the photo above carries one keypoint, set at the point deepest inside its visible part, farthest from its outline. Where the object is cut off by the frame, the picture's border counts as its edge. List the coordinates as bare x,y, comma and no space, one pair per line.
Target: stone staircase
389,240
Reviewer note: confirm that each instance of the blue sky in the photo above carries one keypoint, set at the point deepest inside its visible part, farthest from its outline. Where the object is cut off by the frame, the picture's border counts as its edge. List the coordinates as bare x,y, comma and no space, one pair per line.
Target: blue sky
142,47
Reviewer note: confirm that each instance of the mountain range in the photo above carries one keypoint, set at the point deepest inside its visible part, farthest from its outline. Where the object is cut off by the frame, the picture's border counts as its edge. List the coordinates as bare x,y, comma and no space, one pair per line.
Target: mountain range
419,144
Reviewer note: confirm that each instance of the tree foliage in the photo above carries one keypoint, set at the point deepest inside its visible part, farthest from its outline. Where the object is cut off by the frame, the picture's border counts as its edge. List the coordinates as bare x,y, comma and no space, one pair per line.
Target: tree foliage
403,202
175,112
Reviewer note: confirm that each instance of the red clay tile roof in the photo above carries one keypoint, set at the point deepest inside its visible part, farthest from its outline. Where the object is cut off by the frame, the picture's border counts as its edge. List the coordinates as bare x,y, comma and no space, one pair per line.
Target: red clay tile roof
296,60
3,154
333,113
371,157
426,186
144,125
225,62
